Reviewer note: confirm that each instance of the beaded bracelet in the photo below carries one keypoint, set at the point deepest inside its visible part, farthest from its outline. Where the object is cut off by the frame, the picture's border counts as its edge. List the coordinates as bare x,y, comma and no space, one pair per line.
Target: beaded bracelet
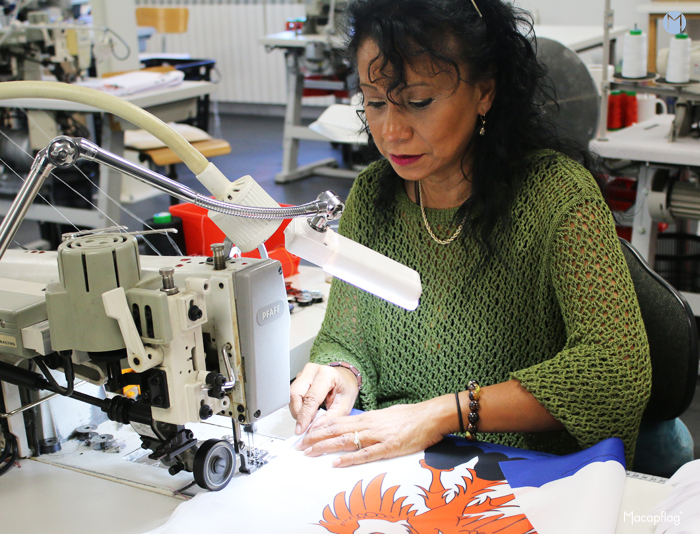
473,417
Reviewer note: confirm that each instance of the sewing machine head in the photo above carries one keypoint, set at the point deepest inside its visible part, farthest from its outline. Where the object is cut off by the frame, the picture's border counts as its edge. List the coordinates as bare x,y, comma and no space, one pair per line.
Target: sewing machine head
197,337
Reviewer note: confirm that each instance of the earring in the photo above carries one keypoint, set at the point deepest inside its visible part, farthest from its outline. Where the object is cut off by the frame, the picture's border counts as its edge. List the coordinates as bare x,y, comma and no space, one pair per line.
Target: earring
482,132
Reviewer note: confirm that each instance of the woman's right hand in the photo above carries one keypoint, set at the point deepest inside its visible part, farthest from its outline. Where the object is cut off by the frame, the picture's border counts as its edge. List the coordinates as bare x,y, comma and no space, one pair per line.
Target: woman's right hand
316,384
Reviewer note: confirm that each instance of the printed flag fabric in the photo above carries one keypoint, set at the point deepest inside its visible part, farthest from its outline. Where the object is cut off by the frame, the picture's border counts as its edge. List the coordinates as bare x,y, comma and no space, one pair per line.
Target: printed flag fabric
577,493
453,487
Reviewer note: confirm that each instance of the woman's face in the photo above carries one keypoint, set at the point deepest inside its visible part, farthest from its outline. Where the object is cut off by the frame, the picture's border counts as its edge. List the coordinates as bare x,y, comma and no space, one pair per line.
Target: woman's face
426,134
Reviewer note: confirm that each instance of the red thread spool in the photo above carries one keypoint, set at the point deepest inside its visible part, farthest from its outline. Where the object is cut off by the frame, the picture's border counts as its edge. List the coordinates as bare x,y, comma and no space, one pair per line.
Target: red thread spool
615,111
631,108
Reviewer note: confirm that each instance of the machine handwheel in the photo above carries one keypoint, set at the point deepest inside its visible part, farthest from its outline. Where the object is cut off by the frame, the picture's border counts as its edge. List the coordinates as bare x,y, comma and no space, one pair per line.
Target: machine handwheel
214,464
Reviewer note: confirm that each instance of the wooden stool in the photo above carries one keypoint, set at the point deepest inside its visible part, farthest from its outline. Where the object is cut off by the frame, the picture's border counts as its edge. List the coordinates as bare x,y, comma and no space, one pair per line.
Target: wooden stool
165,157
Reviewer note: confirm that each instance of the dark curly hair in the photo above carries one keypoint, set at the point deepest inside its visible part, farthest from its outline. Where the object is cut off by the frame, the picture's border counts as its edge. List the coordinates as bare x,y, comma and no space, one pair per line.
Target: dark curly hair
497,44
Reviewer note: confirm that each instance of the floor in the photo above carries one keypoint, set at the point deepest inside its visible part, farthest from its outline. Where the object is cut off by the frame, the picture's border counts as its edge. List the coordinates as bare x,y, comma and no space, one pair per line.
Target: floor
256,144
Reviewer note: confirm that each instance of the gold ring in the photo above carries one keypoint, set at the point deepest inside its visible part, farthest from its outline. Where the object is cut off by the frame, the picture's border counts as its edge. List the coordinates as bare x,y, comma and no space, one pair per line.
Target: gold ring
357,441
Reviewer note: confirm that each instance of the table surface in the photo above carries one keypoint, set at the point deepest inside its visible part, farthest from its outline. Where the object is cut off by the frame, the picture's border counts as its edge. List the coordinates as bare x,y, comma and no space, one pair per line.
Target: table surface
578,38
144,99
661,8
575,37
649,142
78,488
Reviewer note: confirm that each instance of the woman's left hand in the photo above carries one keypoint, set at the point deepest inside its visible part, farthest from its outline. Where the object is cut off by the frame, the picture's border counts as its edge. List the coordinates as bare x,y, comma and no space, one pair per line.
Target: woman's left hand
394,431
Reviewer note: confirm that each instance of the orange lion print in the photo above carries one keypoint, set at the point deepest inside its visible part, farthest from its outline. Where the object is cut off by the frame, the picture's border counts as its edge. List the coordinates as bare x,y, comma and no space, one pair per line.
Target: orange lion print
470,510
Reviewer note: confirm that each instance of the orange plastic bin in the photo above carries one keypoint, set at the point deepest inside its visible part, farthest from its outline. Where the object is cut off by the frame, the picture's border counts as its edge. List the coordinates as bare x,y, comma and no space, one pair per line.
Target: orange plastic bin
201,232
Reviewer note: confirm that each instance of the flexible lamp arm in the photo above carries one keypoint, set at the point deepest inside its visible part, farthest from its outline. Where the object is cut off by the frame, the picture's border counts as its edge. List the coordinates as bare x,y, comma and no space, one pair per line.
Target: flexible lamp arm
327,207
64,152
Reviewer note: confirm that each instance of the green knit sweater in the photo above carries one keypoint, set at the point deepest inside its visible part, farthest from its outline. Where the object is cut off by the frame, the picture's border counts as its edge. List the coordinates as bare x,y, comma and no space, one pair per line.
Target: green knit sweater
558,313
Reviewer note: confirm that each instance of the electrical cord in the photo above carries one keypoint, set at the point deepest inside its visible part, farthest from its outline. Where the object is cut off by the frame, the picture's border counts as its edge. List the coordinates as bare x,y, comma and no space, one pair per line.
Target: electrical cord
108,31
67,370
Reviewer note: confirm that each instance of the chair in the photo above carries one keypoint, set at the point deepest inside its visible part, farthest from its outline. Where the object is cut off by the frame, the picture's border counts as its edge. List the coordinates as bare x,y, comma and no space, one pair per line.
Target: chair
165,20
664,443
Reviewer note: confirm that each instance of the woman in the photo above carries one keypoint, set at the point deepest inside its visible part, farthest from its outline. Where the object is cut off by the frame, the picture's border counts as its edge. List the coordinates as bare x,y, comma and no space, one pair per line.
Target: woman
525,289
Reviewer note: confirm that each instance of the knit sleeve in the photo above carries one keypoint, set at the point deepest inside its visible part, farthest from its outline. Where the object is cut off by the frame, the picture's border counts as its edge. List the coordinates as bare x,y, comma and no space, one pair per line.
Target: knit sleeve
344,336
599,384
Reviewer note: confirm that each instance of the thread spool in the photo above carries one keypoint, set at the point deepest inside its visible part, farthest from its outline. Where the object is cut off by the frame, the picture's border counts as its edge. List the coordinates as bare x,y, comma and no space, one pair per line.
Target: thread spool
615,119
631,108
634,59
163,243
679,59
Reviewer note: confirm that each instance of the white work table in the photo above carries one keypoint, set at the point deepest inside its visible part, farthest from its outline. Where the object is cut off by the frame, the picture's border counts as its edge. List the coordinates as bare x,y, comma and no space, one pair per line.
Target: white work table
578,38
63,493
144,99
648,143
39,497
306,322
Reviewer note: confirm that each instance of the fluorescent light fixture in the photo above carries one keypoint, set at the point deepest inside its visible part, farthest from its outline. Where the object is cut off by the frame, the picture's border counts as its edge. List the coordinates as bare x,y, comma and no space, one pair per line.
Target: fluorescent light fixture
354,263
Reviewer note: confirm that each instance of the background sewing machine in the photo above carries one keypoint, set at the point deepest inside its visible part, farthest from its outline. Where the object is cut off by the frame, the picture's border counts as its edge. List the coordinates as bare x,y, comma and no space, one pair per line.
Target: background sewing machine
47,43
27,125
314,64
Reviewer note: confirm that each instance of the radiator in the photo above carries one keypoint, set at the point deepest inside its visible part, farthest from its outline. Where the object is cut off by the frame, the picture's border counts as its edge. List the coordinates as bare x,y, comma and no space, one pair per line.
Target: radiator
229,31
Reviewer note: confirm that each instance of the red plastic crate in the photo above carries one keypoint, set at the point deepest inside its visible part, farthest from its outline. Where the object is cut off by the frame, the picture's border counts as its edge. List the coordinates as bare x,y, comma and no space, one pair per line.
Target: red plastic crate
201,232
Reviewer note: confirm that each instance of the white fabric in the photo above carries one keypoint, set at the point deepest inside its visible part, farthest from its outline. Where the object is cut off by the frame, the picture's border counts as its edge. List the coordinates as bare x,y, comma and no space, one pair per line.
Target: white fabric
134,82
679,513
289,496
291,493
552,510
341,124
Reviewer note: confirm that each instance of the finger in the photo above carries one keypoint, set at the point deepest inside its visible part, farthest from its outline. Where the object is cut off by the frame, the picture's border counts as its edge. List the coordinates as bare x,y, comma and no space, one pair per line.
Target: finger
340,405
310,402
299,388
343,442
363,456
330,429
319,421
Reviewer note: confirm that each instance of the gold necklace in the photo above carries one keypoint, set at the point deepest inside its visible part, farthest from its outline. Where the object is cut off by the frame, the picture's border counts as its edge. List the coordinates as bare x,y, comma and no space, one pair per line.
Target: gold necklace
427,226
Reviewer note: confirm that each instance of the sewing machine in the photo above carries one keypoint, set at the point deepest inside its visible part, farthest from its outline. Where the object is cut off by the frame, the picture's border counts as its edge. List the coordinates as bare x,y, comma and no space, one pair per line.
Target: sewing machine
321,16
201,337
314,65
28,49
44,45
198,337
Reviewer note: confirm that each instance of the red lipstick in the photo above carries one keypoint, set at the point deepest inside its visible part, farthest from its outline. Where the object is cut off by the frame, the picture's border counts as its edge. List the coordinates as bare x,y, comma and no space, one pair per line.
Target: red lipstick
404,160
